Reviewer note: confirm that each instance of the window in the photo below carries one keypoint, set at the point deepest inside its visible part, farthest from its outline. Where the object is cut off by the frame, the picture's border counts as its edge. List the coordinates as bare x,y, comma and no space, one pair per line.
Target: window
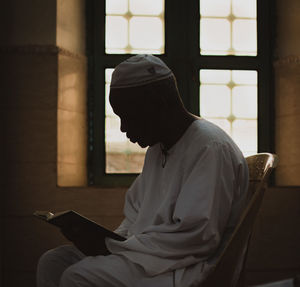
219,52
228,98
134,26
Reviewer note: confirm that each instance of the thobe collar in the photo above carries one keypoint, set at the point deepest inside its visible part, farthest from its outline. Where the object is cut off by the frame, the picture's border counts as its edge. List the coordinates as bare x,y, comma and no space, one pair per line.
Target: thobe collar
164,154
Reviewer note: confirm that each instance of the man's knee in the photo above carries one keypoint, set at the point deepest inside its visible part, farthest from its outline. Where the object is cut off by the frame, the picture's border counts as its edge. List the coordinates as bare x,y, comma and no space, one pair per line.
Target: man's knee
74,276
52,257
53,263
46,261
70,277
45,269
80,275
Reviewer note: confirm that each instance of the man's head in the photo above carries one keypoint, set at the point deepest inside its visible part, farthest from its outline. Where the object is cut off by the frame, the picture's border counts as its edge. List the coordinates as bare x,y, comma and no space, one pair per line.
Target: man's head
143,93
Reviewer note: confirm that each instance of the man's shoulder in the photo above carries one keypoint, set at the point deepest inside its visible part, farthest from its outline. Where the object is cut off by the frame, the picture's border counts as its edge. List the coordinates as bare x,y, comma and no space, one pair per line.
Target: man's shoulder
205,133
206,137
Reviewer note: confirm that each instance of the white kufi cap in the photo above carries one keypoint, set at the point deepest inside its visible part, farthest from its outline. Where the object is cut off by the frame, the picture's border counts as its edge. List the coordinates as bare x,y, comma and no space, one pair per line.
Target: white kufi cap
139,70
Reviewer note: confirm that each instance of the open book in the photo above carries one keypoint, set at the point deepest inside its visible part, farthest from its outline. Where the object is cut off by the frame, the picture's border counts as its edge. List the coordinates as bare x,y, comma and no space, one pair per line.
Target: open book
87,235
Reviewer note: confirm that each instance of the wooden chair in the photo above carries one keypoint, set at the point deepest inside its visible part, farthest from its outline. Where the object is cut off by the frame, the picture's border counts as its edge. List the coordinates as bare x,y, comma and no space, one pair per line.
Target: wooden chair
229,267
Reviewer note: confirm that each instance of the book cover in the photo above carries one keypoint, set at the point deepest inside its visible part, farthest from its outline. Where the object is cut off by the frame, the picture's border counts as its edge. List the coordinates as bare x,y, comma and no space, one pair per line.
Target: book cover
87,235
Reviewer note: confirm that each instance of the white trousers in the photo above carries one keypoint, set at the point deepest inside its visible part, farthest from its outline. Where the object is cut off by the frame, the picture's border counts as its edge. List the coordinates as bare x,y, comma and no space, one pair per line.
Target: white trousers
66,266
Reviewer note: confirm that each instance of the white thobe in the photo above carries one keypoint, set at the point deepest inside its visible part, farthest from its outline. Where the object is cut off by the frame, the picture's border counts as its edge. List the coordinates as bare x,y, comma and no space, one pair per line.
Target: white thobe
177,214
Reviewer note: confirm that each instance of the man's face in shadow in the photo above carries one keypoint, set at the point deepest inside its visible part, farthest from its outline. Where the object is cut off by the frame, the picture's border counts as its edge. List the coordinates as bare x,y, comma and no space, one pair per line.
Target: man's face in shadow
139,115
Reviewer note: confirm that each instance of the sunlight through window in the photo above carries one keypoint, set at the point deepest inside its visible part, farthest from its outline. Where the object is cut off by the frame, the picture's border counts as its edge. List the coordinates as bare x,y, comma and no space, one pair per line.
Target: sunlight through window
134,27
229,99
228,27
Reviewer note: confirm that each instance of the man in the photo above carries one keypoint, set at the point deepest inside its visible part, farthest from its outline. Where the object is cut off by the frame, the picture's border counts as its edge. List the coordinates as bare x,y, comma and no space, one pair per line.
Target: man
183,205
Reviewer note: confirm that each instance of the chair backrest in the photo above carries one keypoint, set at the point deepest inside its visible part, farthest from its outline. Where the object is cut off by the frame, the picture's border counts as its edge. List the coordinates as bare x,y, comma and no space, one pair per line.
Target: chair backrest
230,263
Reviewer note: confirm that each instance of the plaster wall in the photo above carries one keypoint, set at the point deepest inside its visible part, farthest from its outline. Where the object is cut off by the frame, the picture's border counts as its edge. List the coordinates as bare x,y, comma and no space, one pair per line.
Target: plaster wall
287,93
70,26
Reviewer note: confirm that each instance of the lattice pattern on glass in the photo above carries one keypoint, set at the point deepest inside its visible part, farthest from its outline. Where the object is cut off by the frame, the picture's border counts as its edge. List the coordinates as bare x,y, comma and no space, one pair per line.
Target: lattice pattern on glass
228,98
228,27
134,27
122,156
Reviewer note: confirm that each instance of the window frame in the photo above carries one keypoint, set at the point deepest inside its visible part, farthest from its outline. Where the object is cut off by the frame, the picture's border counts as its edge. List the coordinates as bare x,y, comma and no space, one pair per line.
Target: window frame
184,59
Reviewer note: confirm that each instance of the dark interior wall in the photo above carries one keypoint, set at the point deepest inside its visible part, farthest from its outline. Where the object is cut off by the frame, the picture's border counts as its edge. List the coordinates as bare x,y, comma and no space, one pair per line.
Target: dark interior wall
19,117
44,44
31,166
29,22
2,191
274,252
43,82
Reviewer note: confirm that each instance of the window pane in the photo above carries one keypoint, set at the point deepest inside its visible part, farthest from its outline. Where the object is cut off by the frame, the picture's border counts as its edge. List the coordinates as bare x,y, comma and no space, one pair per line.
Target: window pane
244,37
146,7
116,32
215,76
228,27
122,156
146,33
215,36
117,7
134,27
229,99
215,8
245,77
212,94
244,102
245,8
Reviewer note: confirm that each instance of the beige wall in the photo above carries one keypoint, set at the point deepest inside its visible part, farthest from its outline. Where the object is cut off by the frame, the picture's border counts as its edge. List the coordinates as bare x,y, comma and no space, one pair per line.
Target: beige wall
42,115
70,26
72,120
287,92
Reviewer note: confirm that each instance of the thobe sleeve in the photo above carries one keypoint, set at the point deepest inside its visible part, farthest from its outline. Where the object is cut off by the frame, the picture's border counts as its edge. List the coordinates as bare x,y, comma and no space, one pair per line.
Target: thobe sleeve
131,207
123,228
199,216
